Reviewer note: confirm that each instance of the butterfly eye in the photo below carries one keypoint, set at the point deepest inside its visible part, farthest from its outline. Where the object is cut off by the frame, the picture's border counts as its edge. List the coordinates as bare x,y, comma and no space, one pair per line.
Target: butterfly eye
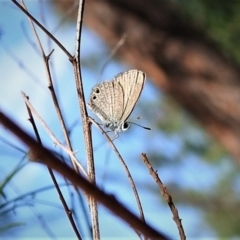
125,126
97,90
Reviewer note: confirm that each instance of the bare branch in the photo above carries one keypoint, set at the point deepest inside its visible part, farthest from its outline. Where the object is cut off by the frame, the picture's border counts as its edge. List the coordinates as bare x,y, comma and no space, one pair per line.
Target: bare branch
92,190
43,28
53,137
84,115
52,90
124,166
64,203
166,195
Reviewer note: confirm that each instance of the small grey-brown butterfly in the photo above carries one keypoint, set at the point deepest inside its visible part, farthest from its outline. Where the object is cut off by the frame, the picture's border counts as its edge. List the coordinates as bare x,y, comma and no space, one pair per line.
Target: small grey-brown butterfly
113,101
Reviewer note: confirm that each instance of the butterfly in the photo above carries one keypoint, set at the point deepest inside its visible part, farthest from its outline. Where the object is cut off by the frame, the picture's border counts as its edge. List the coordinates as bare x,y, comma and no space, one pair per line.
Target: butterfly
113,101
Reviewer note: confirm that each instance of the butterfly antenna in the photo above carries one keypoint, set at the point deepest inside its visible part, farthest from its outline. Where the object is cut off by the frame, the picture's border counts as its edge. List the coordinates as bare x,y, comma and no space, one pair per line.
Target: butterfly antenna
147,128
114,51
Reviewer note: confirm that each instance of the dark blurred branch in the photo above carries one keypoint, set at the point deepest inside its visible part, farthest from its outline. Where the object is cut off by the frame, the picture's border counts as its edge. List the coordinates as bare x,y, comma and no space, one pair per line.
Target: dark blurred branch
48,158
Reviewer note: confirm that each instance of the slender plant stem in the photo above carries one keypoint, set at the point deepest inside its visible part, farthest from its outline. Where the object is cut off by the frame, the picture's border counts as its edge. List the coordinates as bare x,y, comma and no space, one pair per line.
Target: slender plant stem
54,138
62,199
124,166
86,126
46,59
48,158
43,28
167,197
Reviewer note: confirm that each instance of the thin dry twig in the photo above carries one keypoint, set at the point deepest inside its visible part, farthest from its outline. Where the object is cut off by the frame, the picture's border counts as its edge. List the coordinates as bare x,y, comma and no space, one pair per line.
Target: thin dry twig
166,195
46,59
54,163
86,126
64,203
52,136
43,28
125,168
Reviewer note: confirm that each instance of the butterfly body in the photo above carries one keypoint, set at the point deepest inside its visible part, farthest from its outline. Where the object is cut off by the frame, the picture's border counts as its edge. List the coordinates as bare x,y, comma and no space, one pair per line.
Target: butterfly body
113,101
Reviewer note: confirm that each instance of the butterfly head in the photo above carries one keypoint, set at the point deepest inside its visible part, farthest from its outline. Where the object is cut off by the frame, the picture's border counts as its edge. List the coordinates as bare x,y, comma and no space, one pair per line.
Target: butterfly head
117,127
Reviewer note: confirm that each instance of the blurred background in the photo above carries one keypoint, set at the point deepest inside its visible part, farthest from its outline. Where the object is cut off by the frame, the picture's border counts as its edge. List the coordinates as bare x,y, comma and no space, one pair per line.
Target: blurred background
190,53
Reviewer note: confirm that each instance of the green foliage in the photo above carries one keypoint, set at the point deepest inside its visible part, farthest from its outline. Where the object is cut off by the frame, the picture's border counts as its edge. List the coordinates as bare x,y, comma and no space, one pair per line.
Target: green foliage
220,19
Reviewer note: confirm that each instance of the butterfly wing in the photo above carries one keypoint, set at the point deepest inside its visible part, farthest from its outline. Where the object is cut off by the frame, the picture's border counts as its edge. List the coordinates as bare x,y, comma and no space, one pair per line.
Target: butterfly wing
132,83
106,101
